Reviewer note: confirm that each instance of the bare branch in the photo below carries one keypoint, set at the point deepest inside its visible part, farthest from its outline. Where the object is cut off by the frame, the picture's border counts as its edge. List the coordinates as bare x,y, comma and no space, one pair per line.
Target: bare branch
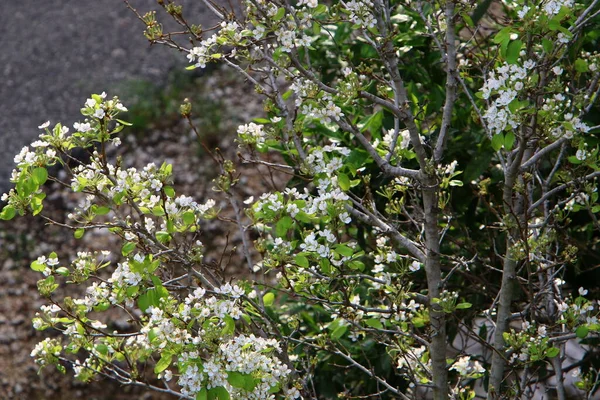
450,82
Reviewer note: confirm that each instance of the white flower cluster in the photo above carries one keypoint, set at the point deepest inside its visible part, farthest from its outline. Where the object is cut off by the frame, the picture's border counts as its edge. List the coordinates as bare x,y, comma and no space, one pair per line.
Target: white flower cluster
46,351
315,103
244,354
123,276
288,38
201,55
320,161
465,367
361,12
504,85
308,3
403,139
50,263
555,106
252,133
552,7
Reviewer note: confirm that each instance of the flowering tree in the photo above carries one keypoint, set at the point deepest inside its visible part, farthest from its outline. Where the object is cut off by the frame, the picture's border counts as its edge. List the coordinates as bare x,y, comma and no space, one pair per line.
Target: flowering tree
443,167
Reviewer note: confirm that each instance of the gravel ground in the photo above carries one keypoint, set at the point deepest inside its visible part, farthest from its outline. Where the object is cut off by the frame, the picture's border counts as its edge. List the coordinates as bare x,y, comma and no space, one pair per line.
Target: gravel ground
56,52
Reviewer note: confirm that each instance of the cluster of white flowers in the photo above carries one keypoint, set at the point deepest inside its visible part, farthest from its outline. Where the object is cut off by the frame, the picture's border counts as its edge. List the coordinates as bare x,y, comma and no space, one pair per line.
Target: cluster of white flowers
50,263
200,55
315,103
361,12
578,199
556,105
244,354
326,112
465,367
252,133
552,7
46,351
504,85
25,156
312,244
403,139
288,38
123,276
308,3
320,161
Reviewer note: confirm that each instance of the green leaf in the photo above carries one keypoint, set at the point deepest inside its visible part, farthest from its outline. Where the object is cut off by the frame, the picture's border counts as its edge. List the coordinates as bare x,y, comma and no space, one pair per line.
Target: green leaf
548,45
581,65
356,265
344,250
268,299
127,248
163,363
301,261
280,13
374,323
316,28
169,191
468,20
462,306
339,332
503,35
373,123
509,141
513,50
37,266
554,23
219,393
102,348
132,290
283,225
261,120
497,141
39,175
582,331
229,327
202,394
236,379
250,383
344,181
8,213
79,233
325,266
37,203
150,298
101,210
320,9
163,237
552,352
171,226
124,122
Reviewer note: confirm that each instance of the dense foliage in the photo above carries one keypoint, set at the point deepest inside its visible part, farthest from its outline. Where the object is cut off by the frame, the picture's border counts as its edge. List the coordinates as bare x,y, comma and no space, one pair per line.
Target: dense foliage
436,239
